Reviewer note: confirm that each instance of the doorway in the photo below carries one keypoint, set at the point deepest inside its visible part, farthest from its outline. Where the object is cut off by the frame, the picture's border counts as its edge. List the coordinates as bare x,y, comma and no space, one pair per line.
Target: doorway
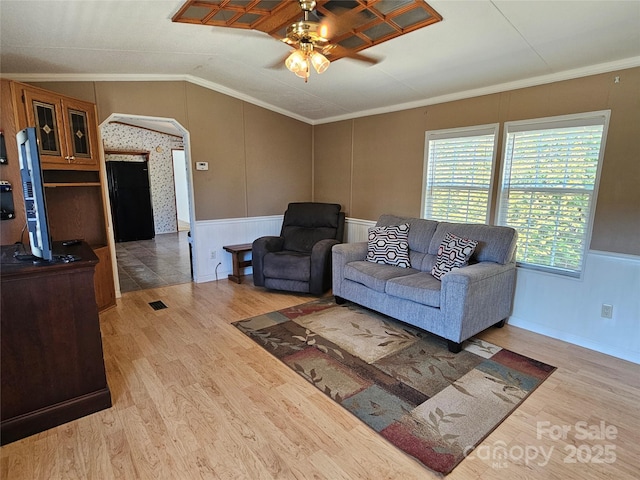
165,259
181,190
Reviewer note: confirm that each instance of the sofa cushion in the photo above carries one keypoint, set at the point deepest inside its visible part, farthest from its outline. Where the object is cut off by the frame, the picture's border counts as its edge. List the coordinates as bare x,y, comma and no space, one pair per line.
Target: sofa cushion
420,230
374,275
287,265
495,243
428,261
419,287
454,252
389,245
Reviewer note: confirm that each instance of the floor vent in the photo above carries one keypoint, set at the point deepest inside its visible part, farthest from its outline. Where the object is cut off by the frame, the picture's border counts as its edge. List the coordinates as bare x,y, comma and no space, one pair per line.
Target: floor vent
157,305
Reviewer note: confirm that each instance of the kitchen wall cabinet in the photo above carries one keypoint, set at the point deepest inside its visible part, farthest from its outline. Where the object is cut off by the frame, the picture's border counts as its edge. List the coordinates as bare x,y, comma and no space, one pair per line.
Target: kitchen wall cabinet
66,128
76,201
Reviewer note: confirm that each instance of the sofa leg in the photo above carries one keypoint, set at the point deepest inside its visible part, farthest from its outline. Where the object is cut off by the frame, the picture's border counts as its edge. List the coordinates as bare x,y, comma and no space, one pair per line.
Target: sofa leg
454,347
340,300
501,323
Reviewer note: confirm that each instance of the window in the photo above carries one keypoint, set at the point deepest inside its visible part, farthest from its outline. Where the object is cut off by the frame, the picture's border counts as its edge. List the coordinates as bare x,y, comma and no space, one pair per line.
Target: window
459,166
550,176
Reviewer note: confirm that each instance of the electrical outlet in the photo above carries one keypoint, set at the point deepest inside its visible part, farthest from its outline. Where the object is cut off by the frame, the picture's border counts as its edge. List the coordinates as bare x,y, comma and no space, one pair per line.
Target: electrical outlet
607,311
213,254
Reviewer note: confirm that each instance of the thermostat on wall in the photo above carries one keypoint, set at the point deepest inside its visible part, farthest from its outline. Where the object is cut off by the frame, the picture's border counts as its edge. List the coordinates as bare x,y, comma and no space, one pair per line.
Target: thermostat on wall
202,165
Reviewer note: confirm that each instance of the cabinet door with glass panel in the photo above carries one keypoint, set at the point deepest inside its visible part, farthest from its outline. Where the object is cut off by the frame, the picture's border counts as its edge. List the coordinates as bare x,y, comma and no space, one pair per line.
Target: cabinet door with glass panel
66,130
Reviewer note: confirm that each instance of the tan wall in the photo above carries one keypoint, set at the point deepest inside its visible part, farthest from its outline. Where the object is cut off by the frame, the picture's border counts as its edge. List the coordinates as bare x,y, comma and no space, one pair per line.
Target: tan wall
81,90
278,161
155,99
258,160
332,164
385,153
217,136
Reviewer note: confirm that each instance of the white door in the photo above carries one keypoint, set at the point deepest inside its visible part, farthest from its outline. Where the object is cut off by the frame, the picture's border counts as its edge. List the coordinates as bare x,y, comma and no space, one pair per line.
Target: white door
182,192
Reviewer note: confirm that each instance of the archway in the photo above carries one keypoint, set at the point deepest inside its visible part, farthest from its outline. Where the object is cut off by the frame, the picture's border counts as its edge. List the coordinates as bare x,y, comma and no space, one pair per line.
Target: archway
160,125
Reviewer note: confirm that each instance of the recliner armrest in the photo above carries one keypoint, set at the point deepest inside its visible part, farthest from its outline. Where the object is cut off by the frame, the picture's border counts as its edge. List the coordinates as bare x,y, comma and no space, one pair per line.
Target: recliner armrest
260,247
320,280
323,247
268,244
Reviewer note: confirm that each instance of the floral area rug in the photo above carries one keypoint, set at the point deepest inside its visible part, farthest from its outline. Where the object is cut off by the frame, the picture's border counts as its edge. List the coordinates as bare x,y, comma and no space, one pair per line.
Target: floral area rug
401,381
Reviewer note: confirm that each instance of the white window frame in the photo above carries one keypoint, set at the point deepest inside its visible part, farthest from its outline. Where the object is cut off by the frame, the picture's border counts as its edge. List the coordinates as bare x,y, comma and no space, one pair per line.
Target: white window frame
451,133
582,119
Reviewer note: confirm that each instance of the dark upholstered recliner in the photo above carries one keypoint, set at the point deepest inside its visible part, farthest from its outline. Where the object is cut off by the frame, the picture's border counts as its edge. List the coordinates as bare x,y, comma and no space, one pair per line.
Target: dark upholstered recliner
299,260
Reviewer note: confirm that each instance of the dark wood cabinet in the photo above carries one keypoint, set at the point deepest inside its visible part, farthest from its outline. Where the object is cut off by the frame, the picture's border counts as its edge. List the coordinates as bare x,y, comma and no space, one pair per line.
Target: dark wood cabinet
52,365
69,149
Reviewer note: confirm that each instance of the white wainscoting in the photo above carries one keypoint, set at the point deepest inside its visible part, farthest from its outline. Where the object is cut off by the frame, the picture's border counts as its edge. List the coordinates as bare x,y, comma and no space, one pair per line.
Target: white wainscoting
356,230
553,305
211,235
569,309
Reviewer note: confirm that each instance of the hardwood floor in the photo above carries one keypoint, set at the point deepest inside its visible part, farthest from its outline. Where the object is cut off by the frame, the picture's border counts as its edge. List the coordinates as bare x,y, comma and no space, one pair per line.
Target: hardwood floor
194,398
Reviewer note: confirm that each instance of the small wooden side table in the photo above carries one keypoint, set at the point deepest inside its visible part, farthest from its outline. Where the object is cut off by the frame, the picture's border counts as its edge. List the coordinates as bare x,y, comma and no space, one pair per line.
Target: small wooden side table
237,255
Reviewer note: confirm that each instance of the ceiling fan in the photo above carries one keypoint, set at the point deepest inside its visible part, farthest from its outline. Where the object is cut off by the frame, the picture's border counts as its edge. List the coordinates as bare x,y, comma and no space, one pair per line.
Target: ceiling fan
311,42
329,30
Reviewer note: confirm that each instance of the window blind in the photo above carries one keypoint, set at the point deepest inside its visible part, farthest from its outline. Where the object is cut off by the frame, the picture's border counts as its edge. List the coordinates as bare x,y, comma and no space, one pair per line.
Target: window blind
550,172
459,168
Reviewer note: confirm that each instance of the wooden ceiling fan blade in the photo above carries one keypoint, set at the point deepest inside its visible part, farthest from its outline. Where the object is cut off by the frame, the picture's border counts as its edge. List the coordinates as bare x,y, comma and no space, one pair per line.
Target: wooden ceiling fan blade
363,58
279,64
336,51
341,20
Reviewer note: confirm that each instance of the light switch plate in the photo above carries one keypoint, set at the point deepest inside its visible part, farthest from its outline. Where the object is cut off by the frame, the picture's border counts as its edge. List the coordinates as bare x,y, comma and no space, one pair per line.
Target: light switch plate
202,165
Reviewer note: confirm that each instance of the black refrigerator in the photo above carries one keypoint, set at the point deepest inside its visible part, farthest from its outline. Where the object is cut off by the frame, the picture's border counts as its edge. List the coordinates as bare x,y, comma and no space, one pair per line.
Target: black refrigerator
130,195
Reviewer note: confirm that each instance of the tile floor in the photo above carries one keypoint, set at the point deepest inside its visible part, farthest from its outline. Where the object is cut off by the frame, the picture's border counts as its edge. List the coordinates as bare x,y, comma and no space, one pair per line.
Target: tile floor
163,260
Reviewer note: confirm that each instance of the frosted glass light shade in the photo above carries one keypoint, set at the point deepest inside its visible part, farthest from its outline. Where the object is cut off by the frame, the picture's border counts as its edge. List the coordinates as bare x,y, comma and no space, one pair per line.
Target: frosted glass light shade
296,62
303,72
319,62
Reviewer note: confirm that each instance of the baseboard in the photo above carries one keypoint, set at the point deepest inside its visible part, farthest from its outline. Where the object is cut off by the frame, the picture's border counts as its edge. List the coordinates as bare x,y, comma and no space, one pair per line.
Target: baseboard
39,420
621,353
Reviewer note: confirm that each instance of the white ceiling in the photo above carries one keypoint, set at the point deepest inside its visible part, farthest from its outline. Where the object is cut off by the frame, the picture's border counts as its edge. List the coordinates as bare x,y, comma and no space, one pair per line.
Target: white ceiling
481,46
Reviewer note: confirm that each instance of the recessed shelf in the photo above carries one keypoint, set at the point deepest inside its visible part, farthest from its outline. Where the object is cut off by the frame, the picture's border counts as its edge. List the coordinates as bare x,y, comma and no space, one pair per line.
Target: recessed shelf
144,153
69,178
72,184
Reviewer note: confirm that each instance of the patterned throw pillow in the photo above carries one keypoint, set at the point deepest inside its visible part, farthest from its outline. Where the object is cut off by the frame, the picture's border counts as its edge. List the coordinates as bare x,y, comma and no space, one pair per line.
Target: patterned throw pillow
389,245
454,252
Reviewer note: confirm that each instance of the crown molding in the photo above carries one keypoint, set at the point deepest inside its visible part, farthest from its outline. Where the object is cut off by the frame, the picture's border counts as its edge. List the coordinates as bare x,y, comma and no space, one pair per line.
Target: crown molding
241,96
498,88
502,87
92,77
135,77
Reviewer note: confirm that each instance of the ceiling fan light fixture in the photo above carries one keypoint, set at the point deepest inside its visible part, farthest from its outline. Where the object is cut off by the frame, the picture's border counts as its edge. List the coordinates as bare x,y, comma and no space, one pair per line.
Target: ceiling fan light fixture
303,72
319,62
297,63
306,36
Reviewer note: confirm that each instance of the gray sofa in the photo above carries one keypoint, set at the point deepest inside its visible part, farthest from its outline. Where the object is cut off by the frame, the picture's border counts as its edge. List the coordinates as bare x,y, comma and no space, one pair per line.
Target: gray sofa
464,302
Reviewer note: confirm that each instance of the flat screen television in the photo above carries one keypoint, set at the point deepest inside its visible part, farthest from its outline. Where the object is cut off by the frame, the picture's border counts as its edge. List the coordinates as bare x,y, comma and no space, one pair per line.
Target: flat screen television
33,189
